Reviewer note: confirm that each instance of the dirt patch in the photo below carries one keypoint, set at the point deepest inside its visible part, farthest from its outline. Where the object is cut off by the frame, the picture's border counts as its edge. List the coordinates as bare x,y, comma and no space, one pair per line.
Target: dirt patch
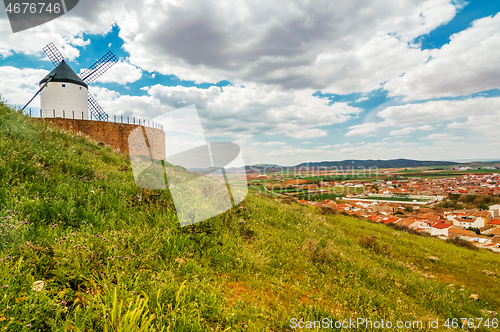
237,291
285,296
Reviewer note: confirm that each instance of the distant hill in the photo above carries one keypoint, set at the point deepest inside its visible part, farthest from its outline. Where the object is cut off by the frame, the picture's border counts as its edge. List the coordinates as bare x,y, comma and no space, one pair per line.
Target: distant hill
392,163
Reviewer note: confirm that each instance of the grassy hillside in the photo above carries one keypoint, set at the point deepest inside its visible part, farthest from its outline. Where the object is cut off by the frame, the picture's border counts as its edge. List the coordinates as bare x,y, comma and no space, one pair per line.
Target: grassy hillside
113,257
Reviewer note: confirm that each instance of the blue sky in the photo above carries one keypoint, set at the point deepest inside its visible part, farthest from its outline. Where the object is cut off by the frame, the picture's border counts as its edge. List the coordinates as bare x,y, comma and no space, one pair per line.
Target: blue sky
288,81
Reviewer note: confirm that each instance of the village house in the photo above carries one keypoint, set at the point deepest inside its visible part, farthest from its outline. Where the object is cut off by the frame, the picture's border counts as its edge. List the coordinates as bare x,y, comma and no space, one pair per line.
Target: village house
455,231
439,229
495,223
468,221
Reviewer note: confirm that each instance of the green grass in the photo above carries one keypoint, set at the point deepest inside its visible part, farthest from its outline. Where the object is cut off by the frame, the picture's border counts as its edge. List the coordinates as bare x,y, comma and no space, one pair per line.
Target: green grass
113,257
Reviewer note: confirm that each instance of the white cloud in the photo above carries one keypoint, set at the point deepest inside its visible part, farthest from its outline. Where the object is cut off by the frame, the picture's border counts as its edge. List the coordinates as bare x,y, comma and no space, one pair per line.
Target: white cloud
143,107
17,86
121,73
467,64
438,111
332,46
456,125
441,137
236,111
92,16
80,42
485,125
405,131
365,129
425,127
481,113
308,133
271,143
335,46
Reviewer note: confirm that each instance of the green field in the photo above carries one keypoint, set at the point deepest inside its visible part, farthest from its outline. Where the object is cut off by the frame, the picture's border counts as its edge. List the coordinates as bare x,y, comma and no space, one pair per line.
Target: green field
319,197
449,173
393,199
114,258
336,191
359,176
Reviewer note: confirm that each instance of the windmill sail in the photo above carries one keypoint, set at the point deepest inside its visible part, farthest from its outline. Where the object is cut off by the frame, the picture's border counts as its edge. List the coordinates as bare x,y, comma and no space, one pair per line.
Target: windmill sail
53,54
96,111
100,67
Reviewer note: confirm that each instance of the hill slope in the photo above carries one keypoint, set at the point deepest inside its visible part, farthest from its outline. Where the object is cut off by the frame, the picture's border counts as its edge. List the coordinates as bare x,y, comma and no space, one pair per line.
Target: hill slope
350,164
391,163
112,255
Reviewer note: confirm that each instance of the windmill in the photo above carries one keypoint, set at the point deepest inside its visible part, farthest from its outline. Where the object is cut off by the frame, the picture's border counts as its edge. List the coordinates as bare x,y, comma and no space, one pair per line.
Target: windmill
63,91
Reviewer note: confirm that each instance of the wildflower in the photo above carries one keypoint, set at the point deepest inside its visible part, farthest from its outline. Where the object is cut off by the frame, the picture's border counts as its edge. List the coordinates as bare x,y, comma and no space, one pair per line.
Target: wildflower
5,286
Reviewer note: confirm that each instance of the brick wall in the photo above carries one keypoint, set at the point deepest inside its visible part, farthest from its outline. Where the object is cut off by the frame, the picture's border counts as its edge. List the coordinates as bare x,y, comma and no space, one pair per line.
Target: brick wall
116,135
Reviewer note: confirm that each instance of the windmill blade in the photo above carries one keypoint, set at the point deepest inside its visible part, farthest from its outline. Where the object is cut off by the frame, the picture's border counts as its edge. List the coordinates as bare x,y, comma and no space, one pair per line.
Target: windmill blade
40,90
96,111
53,54
99,68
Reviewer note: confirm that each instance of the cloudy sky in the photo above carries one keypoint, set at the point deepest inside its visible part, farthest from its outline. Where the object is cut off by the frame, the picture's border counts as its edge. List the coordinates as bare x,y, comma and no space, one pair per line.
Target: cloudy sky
289,81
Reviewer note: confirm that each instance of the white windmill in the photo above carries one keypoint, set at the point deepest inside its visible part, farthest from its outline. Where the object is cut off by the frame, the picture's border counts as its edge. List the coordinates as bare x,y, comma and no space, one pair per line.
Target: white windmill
64,94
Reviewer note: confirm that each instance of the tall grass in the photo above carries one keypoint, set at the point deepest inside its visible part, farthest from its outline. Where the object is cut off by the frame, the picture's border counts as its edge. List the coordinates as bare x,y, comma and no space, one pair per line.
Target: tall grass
113,256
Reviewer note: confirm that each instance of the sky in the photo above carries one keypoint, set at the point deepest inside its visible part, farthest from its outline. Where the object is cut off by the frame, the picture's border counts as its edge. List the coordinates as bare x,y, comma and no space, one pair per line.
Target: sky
288,81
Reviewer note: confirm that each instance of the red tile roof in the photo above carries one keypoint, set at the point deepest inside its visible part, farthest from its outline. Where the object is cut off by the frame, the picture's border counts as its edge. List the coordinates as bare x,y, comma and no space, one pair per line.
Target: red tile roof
441,225
460,231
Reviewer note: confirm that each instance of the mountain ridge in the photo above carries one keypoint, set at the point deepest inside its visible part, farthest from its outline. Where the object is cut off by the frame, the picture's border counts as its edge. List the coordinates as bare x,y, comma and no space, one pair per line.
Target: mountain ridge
349,163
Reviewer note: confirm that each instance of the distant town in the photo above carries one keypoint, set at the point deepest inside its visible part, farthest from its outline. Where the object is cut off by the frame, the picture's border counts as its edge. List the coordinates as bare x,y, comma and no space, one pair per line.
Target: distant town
450,202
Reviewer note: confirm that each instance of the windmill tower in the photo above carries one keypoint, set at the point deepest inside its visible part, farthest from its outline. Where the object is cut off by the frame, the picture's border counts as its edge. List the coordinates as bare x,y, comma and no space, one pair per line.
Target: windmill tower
64,94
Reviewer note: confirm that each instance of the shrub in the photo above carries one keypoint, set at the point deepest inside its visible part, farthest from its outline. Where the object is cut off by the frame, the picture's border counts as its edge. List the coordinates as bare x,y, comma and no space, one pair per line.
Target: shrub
317,251
462,243
370,242
329,210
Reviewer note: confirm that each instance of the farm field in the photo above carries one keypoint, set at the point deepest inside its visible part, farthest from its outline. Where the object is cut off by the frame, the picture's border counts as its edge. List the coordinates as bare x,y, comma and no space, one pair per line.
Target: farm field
399,199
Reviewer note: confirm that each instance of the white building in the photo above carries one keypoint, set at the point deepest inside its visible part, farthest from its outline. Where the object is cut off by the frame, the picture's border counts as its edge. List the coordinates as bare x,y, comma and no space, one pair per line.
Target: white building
439,229
65,95
495,211
469,221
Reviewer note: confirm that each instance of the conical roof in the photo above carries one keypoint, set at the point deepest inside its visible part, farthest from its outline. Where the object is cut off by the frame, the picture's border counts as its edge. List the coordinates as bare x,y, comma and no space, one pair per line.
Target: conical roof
64,73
